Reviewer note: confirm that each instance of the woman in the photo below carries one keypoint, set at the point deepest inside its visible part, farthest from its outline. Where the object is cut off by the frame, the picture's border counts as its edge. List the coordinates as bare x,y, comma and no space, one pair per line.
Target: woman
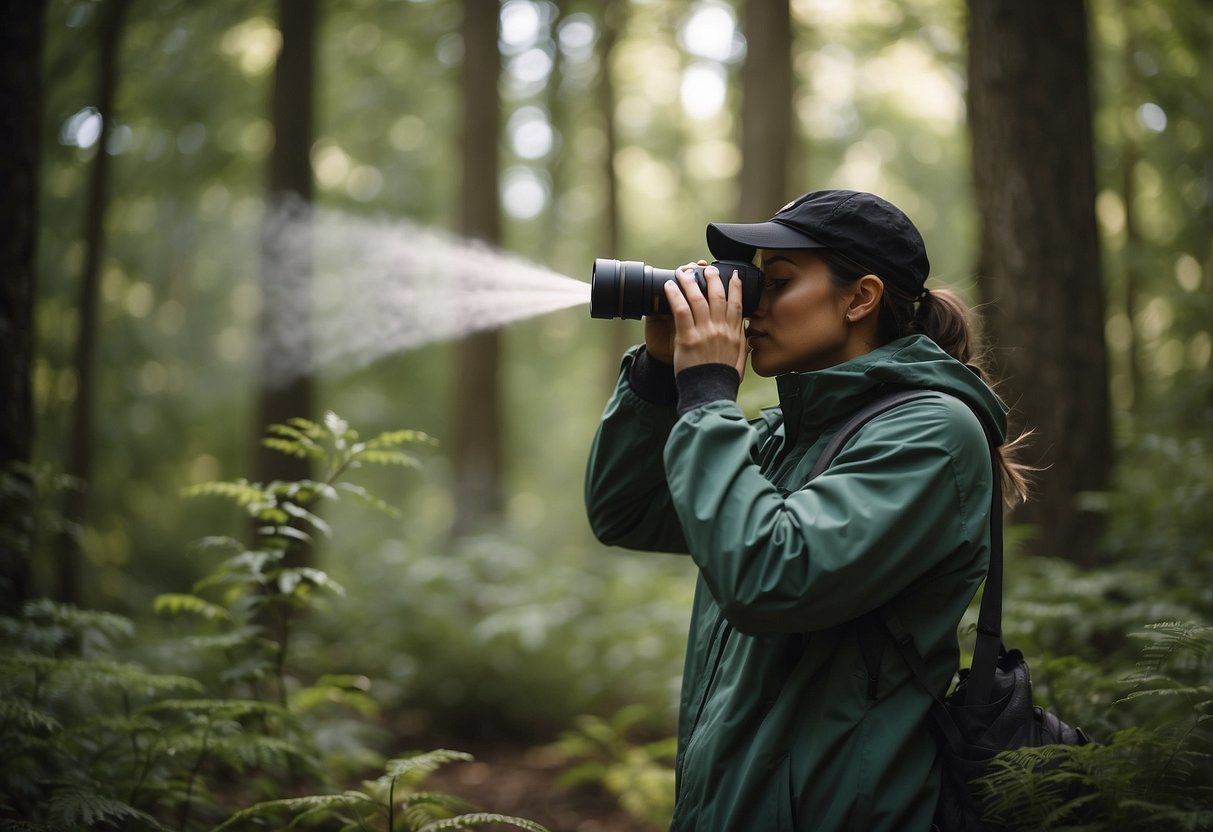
779,728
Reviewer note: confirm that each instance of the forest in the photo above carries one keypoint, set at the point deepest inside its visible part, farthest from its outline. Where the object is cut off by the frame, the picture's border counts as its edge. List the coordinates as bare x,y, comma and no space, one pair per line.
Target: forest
299,384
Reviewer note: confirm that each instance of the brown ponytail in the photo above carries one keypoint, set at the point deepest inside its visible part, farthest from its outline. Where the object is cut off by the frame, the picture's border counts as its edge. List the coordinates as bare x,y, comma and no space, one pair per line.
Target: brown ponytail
942,316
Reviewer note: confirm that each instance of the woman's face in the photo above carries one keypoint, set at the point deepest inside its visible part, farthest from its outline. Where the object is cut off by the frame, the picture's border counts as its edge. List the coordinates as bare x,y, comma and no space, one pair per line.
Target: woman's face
801,320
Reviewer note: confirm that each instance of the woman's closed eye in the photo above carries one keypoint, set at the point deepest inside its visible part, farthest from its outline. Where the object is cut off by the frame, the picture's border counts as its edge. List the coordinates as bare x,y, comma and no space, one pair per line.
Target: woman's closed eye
773,284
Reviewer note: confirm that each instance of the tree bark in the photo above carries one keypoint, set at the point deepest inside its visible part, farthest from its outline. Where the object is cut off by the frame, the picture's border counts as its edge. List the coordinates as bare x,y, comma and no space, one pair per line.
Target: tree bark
610,25
80,440
1033,168
21,45
766,109
286,262
478,428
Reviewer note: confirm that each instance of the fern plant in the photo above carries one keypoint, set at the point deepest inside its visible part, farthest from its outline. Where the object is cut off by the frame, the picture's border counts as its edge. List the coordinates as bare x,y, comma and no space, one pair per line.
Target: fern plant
391,802
1156,774
91,741
259,593
640,775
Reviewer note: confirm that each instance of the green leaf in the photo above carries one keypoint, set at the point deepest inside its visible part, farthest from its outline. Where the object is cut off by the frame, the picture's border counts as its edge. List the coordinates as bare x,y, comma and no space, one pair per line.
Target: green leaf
478,819
370,499
391,439
80,807
418,766
241,491
388,457
310,803
19,715
177,603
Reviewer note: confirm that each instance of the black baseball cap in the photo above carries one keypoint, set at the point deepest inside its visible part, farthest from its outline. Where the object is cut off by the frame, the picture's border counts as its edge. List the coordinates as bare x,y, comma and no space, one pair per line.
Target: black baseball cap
865,228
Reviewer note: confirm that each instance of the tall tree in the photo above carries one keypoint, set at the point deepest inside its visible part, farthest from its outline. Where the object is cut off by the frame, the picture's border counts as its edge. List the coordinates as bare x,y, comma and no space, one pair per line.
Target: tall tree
21,101
766,108
478,427
610,26
80,441
1033,168
285,257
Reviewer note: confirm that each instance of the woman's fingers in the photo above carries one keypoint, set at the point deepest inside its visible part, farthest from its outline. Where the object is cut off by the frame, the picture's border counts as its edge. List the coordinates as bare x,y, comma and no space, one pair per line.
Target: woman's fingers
733,316
679,308
698,304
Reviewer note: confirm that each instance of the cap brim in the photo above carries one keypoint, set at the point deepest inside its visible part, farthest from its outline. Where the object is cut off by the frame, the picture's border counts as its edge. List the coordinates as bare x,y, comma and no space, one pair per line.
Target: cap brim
739,241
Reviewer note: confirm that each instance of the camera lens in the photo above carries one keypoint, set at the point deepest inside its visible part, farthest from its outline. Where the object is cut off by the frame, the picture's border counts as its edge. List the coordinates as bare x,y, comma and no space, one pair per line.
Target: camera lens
631,289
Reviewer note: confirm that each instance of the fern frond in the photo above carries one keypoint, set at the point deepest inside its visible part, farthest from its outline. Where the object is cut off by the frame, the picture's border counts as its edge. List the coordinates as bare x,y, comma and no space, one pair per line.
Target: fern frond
27,826
216,542
291,578
1190,691
309,804
370,499
394,438
337,427
478,819
292,448
178,603
302,513
94,624
307,427
78,807
221,708
318,695
419,808
19,715
419,766
388,457
243,492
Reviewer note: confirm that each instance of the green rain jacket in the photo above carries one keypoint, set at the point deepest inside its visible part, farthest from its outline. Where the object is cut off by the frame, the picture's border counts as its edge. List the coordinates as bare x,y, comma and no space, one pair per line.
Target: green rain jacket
776,729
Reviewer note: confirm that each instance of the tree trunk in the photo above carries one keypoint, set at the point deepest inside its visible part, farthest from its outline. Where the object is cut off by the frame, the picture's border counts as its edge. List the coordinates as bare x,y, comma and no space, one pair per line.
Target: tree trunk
766,109
80,441
21,102
1033,168
610,24
286,263
1129,156
478,429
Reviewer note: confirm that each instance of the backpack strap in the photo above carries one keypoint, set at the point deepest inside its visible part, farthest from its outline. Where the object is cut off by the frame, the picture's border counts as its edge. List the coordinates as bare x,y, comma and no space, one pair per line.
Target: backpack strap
860,418
980,682
868,629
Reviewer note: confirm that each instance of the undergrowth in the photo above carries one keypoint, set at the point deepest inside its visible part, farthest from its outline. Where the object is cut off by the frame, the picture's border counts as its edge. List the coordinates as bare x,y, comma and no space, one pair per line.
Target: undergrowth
90,739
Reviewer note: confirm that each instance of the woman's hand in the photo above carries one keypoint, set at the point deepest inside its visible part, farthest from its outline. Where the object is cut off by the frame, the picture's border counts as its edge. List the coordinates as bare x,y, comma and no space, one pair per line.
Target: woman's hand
659,331
707,330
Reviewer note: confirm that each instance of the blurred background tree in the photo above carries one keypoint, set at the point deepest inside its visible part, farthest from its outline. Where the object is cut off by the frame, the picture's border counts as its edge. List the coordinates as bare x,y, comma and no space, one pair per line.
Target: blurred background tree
619,129
285,261
1030,111
21,100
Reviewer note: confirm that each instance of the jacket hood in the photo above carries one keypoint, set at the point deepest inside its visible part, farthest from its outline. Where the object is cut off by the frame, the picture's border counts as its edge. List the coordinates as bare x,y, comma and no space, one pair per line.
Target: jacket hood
814,400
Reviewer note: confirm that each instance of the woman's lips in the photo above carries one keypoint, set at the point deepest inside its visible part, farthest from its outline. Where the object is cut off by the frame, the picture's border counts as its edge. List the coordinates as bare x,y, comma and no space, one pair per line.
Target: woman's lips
753,335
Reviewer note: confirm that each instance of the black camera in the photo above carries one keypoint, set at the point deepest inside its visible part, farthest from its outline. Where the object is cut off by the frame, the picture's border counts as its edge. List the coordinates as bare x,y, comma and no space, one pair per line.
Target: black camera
631,289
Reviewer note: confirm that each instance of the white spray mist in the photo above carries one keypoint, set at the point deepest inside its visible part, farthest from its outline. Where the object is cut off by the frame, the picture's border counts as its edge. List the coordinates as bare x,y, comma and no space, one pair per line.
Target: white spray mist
381,286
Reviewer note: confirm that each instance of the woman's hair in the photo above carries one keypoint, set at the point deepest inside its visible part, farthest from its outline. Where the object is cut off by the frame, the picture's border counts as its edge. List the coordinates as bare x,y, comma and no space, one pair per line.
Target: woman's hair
942,316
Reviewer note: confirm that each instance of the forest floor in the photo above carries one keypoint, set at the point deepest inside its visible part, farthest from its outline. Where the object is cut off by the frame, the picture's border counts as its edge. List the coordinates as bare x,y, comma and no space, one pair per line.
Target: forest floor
520,781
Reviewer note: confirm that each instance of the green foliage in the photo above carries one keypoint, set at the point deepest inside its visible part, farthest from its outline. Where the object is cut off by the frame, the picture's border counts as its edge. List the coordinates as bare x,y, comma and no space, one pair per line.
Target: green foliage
639,774
1155,775
93,741
390,802
512,639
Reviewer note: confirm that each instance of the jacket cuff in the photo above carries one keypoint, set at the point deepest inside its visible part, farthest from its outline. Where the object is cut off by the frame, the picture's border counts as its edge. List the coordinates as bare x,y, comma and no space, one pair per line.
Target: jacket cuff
652,379
704,383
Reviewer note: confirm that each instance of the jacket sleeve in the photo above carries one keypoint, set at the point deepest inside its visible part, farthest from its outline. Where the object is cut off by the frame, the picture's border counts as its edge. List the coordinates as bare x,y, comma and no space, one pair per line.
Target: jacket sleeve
908,496
626,496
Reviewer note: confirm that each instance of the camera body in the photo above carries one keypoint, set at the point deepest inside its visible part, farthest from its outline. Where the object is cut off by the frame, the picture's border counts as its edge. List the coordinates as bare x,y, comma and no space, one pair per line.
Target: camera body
631,289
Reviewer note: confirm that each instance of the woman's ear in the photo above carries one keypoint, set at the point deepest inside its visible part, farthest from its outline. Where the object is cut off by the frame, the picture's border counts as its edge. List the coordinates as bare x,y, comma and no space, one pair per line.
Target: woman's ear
865,297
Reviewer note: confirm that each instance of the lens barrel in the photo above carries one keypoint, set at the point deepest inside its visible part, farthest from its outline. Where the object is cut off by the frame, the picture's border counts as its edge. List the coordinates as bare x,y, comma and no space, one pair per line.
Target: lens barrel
631,289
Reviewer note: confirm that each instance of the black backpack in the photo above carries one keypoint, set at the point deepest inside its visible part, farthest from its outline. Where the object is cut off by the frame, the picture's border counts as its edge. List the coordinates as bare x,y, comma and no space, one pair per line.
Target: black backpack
991,709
